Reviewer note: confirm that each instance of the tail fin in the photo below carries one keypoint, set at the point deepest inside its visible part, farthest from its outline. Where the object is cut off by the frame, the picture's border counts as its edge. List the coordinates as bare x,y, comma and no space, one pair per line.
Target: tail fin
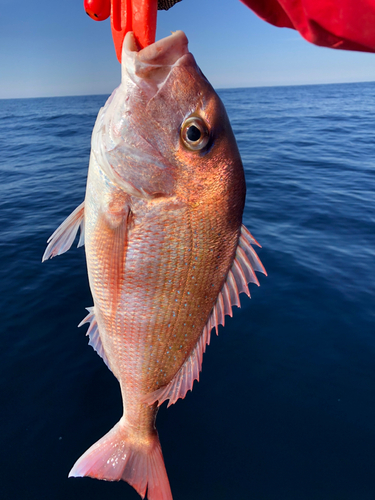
116,457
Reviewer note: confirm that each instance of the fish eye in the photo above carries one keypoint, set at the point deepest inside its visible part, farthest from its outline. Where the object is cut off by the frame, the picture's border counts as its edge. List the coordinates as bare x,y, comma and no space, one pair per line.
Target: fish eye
194,133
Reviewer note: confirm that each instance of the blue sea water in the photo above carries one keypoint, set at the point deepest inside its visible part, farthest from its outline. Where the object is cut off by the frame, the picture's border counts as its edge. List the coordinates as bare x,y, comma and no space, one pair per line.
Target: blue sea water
285,407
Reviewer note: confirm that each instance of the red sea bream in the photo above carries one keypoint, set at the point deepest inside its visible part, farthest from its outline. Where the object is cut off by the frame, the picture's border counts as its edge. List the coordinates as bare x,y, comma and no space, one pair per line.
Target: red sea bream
167,254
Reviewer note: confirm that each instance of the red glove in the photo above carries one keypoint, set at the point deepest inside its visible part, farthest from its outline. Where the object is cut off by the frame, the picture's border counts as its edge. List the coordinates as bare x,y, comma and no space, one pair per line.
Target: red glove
339,24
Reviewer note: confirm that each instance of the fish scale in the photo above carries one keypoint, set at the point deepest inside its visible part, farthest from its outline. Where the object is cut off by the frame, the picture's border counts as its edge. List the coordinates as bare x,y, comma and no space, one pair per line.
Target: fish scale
136,325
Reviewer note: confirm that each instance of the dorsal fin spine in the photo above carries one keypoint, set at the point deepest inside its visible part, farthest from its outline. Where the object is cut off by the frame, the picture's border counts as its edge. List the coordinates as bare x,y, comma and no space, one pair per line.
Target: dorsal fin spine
251,255
221,309
246,233
233,290
246,266
226,297
241,278
216,324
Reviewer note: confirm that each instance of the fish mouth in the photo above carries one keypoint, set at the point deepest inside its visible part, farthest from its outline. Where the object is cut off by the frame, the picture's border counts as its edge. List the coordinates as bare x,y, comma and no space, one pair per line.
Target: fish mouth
163,52
153,63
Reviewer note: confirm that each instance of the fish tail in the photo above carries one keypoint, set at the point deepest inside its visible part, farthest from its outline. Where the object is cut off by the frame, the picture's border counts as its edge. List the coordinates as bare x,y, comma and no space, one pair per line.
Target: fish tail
118,455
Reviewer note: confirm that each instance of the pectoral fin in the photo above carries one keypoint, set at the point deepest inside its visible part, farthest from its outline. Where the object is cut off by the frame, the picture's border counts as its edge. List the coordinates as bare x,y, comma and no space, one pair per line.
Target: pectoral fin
62,239
241,273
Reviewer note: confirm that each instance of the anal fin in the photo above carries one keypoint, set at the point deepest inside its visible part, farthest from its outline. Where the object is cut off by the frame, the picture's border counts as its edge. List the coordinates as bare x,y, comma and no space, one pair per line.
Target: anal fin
62,239
94,335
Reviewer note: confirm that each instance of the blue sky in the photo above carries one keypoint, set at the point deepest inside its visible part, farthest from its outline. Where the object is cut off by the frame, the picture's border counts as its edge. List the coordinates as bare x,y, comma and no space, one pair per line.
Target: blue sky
50,48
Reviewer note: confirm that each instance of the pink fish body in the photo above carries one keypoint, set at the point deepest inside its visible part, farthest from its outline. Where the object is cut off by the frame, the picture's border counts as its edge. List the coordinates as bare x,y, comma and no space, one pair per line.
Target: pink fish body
166,251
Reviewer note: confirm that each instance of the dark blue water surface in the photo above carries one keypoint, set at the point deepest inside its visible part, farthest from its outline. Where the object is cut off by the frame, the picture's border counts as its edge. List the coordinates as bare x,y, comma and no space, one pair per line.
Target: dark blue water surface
285,408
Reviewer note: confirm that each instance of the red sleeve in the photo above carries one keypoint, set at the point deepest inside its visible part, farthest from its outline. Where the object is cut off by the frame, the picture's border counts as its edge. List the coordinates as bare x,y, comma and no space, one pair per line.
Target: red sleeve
339,24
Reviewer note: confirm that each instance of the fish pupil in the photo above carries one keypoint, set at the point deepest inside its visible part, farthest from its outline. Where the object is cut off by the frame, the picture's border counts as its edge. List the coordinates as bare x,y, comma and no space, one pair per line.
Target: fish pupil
193,133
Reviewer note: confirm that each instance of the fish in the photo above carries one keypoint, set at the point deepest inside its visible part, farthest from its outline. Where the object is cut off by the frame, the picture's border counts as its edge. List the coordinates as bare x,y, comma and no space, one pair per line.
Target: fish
167,253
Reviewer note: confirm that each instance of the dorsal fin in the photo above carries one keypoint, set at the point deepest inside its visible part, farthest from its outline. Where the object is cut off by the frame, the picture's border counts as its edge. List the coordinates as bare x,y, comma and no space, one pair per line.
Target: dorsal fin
240,274
93,333
183,381
62,239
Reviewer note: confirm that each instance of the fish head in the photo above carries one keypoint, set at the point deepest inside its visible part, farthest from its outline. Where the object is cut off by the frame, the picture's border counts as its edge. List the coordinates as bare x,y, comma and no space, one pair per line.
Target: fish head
164,131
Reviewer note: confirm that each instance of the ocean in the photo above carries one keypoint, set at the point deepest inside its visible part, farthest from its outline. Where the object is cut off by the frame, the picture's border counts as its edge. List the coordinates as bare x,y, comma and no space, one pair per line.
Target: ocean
285,406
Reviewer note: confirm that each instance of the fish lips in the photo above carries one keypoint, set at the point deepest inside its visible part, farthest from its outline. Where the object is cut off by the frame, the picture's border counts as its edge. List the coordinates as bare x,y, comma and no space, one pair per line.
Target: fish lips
150,67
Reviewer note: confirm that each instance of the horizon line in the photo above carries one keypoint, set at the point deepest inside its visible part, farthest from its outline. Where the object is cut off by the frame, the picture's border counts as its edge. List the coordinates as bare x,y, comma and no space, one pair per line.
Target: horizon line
215,88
